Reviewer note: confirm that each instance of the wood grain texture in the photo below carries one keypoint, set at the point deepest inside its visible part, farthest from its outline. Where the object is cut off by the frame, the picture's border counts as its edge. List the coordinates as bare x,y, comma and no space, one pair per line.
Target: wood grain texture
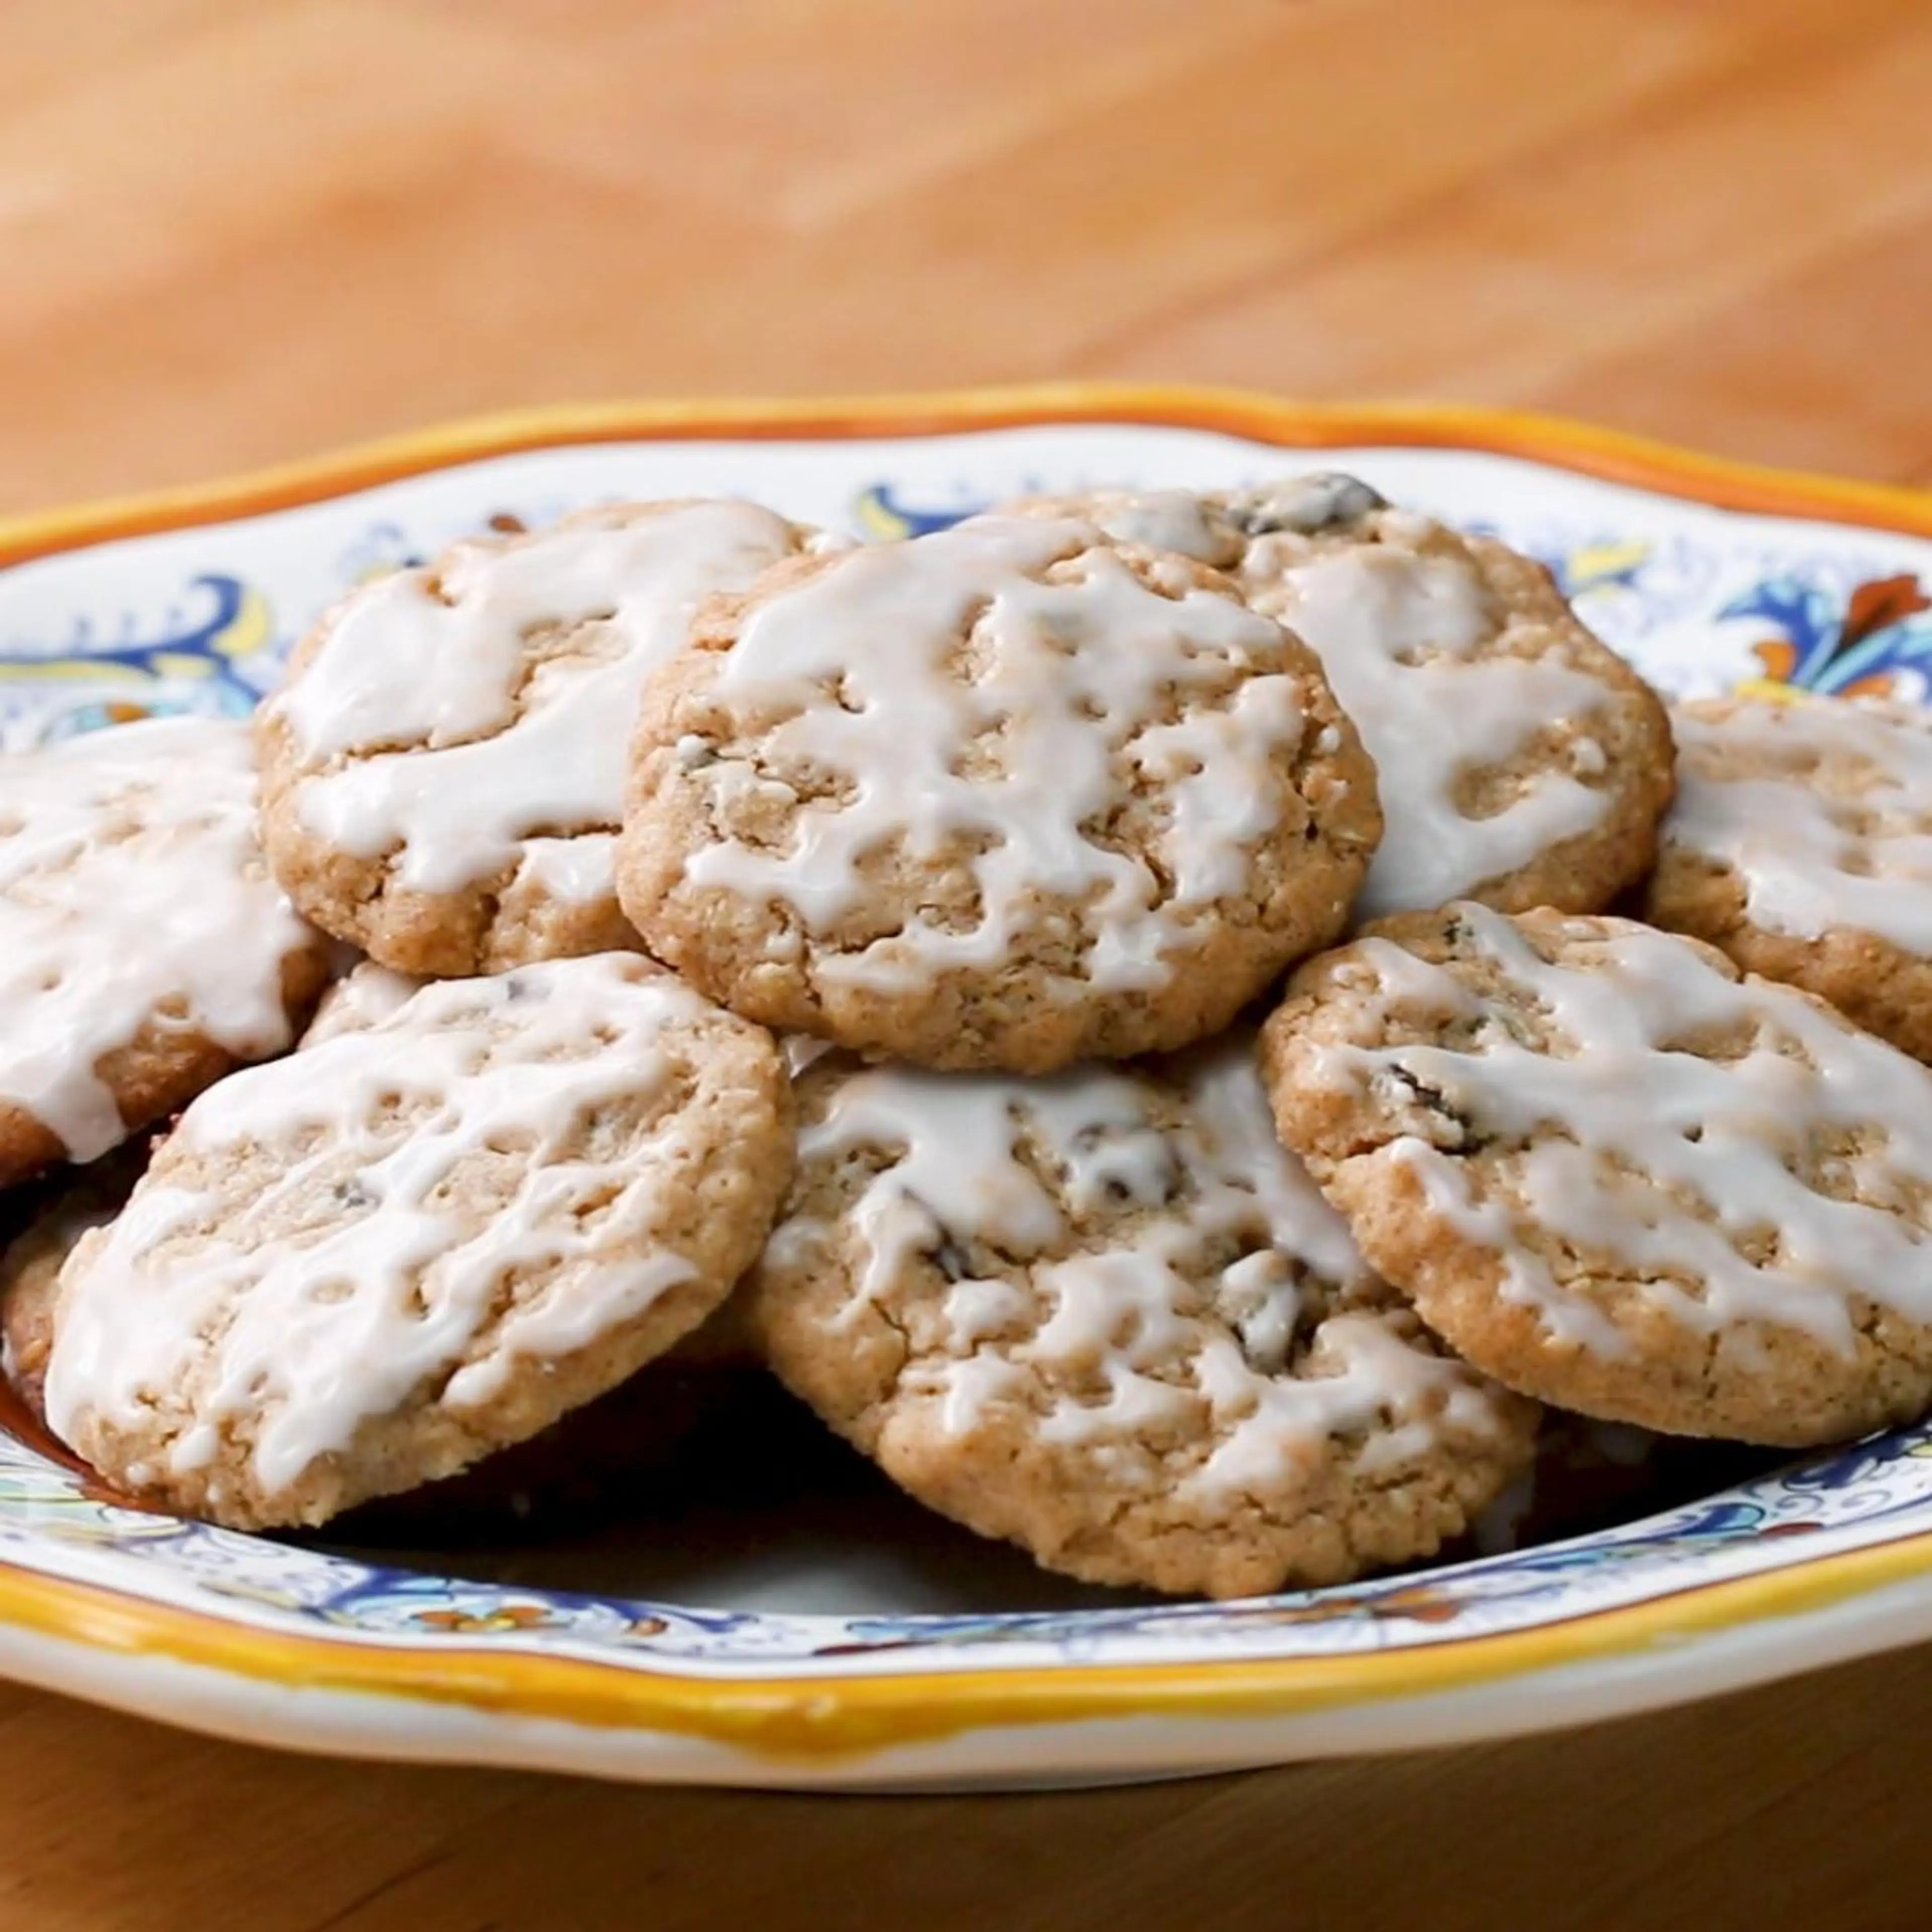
234,232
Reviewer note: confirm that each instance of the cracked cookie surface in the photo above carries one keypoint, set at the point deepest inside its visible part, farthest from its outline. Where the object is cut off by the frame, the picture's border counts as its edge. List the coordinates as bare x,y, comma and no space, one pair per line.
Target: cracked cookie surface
1617,1174
1521,762
1105,1316
443,770
418,1240
1006,796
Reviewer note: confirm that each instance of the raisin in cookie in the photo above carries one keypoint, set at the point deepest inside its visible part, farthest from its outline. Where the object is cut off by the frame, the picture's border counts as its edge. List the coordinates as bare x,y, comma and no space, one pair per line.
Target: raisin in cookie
443,772
1105,1316
1521,762
1618,1175
368,1265
1800,844
145,950
1005,795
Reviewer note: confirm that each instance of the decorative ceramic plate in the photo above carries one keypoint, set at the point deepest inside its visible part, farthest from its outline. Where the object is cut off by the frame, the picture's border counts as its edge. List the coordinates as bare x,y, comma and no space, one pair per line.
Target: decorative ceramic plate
848,1642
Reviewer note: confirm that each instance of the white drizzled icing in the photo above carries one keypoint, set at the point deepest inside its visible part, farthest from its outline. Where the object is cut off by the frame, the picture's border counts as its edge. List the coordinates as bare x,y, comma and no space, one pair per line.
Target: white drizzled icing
366,995
1128,1256
1824,809
437,722
1406,642
133,892
421,1165
859,667
1602,1141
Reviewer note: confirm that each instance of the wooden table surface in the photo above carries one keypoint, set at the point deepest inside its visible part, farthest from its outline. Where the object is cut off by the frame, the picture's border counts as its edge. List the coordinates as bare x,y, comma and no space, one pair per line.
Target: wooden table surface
233,233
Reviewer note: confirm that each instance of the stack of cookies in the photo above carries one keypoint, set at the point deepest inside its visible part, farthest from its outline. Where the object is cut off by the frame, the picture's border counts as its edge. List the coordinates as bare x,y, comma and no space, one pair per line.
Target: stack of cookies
1116,1003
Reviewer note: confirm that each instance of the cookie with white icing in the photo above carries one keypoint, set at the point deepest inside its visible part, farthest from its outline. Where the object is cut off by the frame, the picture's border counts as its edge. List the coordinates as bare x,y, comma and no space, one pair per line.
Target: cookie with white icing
1105,1316
1800,844
443,772
1617,1174
1521,761
145,950
54,1215
1006,796
368,1265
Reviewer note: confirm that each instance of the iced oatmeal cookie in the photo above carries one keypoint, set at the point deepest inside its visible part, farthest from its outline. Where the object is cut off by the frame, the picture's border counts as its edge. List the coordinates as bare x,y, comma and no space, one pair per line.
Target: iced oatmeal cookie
1800,844
443,771
1006,796
1105,1315
145,950
369,1265
1619,1175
